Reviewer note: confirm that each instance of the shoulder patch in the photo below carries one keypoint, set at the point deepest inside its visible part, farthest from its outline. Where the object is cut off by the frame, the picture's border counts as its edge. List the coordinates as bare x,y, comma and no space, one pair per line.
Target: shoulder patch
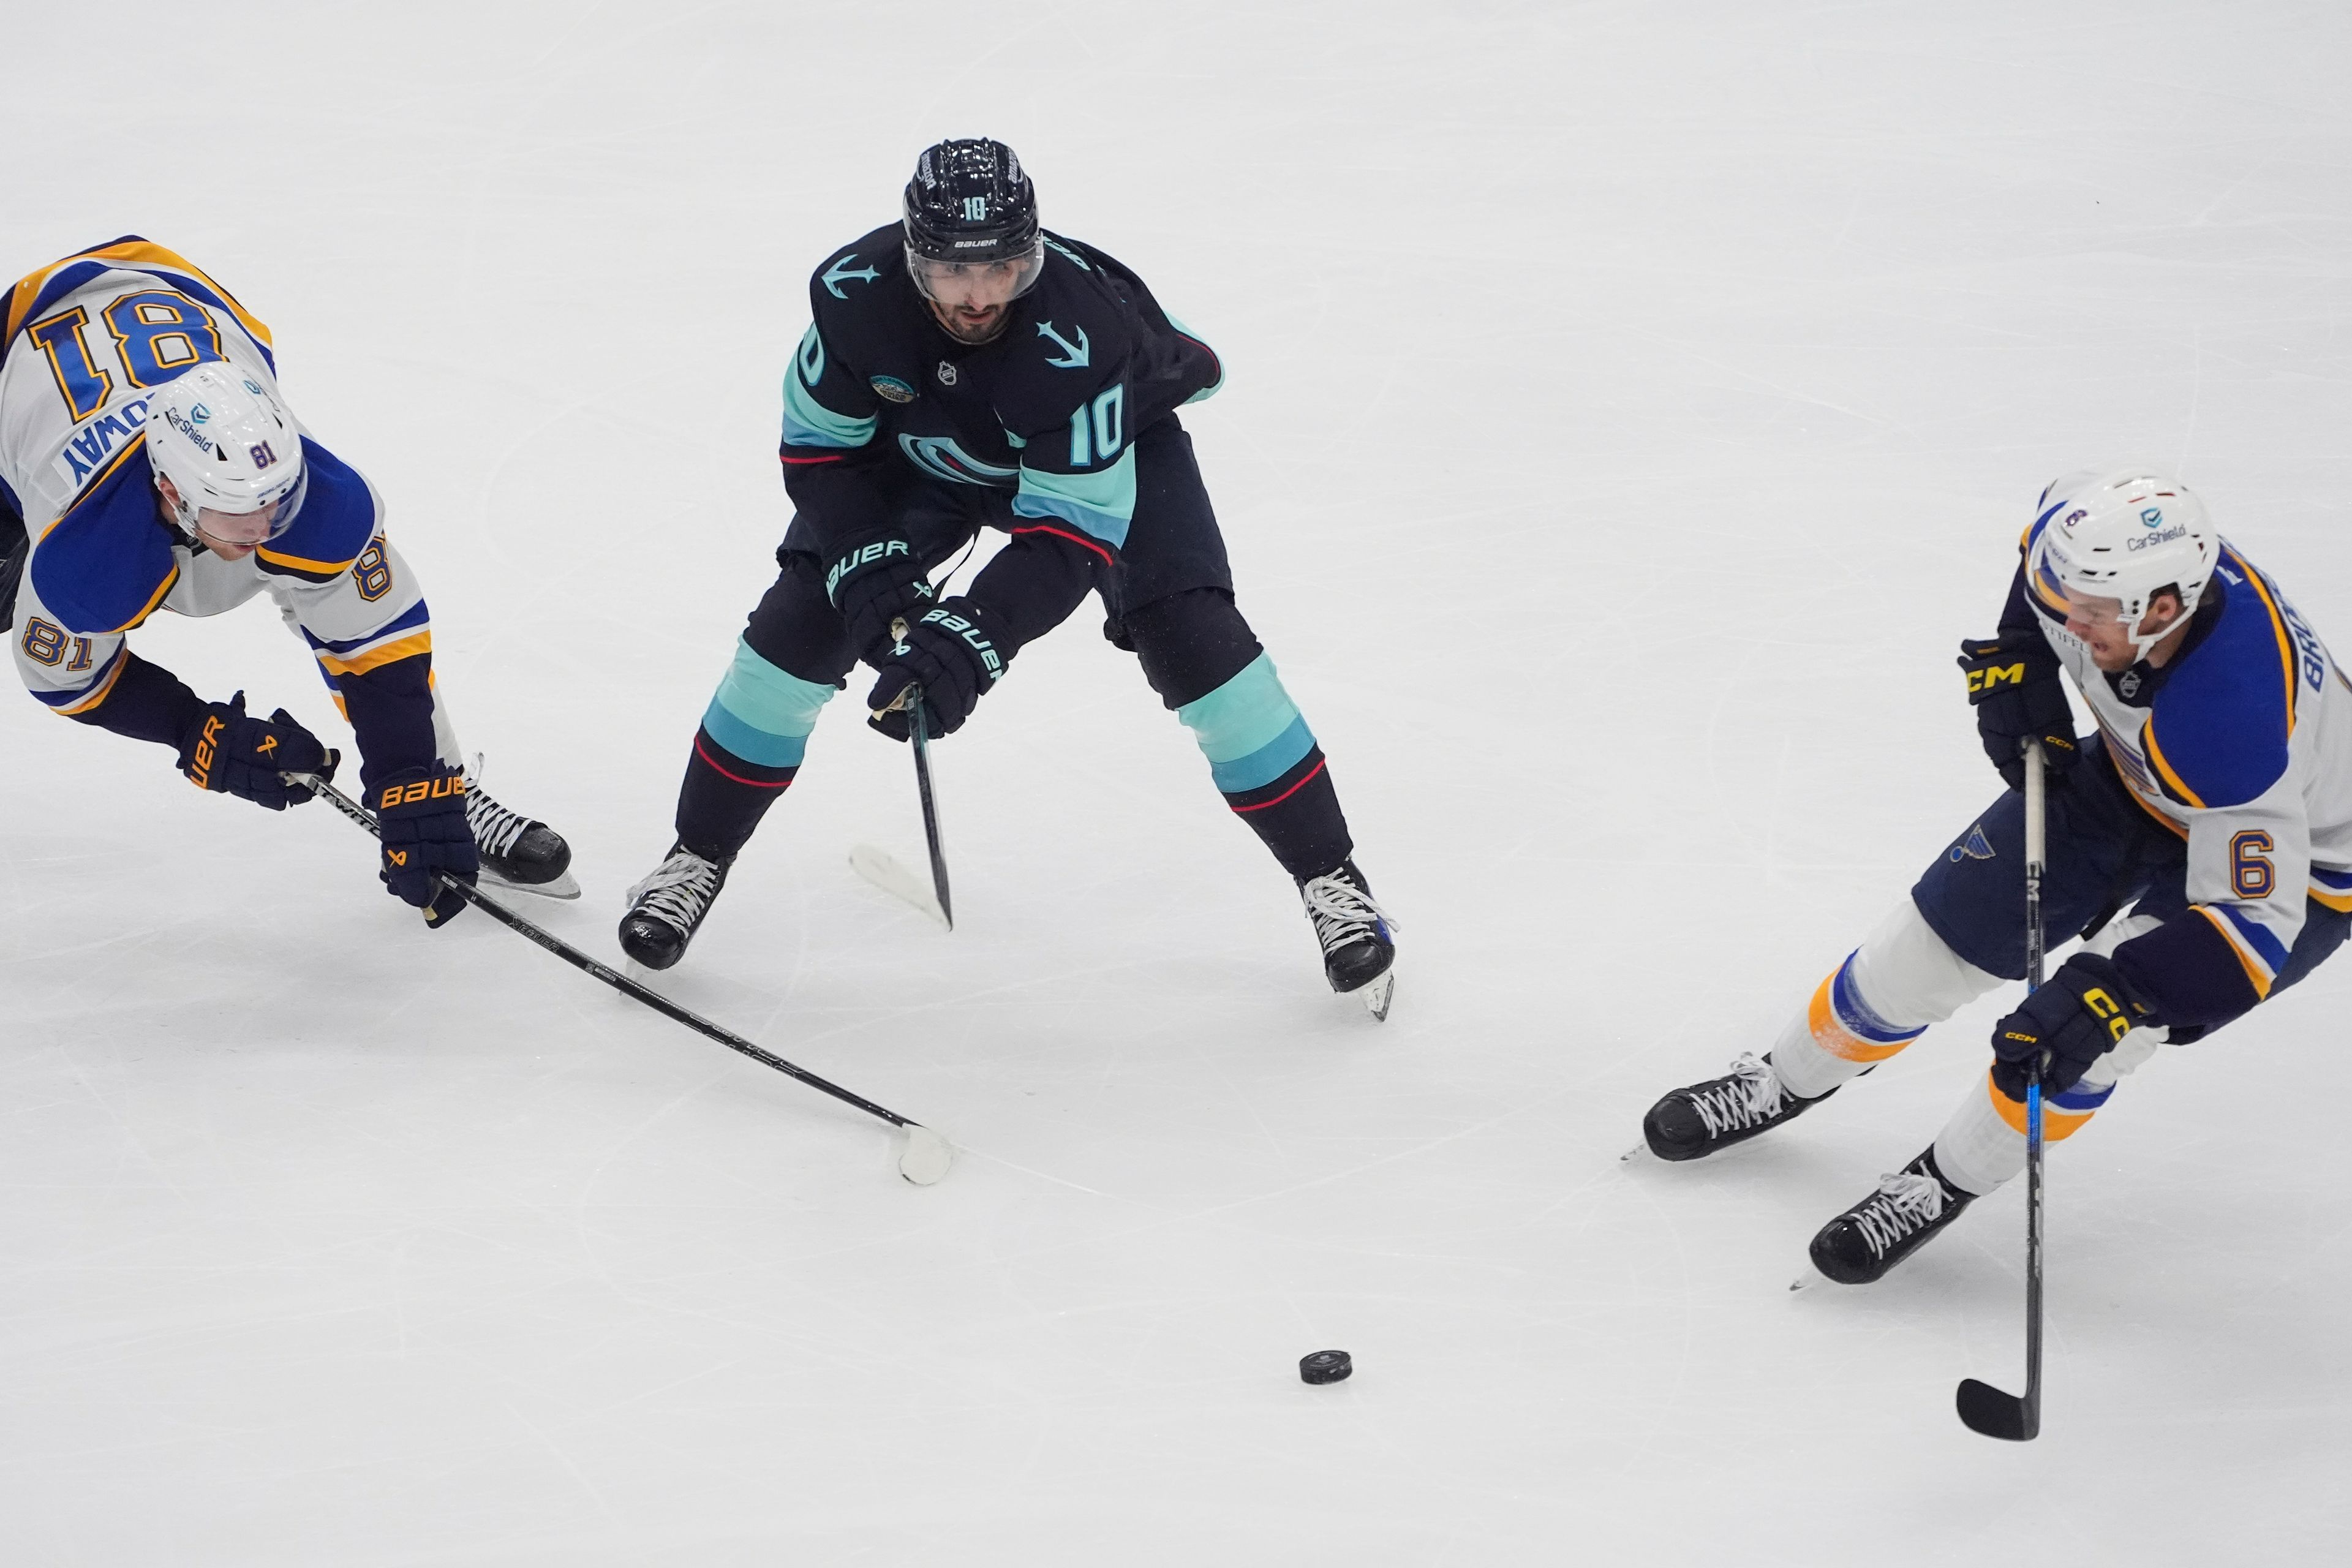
332,530
105,565
2217,733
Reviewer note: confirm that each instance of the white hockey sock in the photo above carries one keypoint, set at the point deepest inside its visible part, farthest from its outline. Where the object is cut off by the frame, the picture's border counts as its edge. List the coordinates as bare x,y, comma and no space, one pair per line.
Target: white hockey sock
1900,979
1983,1145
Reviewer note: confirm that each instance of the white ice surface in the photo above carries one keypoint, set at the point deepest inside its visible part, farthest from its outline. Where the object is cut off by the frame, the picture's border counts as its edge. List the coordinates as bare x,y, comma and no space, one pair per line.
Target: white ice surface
1630,408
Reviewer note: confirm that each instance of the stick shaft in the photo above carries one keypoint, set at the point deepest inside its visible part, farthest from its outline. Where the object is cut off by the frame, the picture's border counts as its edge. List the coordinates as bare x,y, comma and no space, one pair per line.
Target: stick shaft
918,734
618,982
2036,817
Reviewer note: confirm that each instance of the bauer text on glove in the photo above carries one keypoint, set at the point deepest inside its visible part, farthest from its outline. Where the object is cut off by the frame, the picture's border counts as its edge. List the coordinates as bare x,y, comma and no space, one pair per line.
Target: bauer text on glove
422,813
225,750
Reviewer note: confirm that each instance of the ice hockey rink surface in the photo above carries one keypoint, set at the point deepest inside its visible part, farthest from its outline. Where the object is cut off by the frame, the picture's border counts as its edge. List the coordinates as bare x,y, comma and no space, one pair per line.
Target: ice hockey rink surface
1631,406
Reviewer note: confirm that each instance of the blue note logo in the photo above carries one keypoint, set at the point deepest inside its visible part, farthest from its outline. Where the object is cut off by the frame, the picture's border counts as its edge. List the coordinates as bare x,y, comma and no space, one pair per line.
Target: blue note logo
839,273
1974,847
891,388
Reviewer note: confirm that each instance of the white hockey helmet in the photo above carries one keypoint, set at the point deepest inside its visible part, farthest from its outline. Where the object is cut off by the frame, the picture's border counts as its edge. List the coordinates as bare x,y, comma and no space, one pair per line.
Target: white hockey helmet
225,443
2123,534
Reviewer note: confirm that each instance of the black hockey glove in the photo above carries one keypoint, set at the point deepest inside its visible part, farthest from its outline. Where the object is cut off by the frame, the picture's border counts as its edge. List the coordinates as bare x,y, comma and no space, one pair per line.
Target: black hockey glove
2078,1016
951,654
422,812
225,751
874,584
2015,686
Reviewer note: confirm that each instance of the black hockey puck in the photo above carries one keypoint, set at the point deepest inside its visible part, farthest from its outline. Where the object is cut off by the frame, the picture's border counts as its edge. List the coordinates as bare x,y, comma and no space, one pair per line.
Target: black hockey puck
1325,1366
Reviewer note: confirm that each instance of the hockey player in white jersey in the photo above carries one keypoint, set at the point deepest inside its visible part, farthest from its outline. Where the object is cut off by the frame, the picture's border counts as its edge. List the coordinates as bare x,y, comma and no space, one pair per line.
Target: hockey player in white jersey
147,462
2214,804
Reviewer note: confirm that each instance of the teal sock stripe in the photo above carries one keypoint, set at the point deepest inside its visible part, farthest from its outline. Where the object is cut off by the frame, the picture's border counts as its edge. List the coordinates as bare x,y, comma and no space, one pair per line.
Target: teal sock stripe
1249,729
763,714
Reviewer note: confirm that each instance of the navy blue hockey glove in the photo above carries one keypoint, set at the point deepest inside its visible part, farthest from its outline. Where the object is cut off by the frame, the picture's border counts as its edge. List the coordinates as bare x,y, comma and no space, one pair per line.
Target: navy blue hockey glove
2080,1014
422,812
2015,686
227,751
951,654
874,584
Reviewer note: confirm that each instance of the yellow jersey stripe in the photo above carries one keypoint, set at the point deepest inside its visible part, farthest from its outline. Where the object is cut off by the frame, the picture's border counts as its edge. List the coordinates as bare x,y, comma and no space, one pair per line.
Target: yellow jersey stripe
376,657
105,689
2155,755
2257,973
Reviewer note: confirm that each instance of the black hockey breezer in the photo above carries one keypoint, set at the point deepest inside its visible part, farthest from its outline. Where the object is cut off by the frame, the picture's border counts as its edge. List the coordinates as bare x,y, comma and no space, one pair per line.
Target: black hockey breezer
1694,1122
1890,1224
668,908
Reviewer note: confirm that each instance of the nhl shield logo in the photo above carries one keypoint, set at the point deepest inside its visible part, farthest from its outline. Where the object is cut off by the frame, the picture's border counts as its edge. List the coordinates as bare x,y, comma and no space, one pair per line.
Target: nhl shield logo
947,374
1974,847
891,388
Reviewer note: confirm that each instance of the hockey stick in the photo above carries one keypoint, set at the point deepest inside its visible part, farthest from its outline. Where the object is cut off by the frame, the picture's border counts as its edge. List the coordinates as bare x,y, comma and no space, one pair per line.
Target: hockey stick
924,1160
1982,1406
919,732
878,866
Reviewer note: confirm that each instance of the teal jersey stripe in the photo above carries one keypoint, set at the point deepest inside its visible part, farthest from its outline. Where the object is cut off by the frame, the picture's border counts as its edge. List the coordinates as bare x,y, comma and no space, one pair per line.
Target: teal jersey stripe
807,422
1266,764
1101,505
763,714
1244,716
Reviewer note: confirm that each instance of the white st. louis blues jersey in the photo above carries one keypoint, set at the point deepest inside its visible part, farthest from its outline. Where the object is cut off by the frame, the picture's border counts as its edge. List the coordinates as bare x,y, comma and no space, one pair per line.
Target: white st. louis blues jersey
87,339
2244,749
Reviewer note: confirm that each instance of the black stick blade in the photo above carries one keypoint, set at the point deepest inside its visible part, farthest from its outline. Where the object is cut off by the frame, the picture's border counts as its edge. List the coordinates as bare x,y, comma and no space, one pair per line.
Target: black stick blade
1987,1409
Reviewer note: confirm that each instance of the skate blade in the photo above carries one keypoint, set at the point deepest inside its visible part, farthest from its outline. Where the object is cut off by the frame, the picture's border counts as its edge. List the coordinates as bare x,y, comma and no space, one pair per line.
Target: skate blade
1376,996
562,887
882,868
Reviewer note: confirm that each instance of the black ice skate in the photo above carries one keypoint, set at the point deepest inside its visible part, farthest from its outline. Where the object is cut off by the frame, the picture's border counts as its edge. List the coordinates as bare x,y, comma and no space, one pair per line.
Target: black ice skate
1359,952
1914,1203
1692,1123
667,909
517,851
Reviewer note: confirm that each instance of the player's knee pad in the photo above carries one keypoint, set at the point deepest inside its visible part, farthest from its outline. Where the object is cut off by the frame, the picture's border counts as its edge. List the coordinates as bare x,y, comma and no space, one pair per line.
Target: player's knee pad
763,714
1189,643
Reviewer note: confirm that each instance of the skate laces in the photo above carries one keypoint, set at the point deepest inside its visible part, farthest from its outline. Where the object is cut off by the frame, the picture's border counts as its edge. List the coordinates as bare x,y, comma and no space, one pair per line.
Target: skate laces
677,890
1904,1201
494,828
1342,911
1750,1094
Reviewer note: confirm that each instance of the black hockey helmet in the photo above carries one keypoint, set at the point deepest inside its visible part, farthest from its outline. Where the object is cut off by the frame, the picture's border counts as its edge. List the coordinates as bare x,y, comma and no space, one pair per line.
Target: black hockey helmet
969,200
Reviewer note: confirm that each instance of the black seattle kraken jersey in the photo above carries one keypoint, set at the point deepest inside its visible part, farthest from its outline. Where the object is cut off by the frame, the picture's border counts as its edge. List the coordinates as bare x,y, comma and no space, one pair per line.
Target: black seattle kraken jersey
1048,409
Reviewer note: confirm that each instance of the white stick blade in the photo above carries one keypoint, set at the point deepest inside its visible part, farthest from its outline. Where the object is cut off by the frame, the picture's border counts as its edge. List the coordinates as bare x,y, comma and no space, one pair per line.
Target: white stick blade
926,1157
882,868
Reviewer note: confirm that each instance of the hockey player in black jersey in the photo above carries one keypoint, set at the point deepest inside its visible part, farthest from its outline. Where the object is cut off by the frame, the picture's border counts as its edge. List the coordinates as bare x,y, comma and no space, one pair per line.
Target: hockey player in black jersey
967,368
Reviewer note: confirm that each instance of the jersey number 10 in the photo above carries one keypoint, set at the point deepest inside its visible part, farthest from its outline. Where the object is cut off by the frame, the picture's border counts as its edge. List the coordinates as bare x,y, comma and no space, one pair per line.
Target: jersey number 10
157,335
